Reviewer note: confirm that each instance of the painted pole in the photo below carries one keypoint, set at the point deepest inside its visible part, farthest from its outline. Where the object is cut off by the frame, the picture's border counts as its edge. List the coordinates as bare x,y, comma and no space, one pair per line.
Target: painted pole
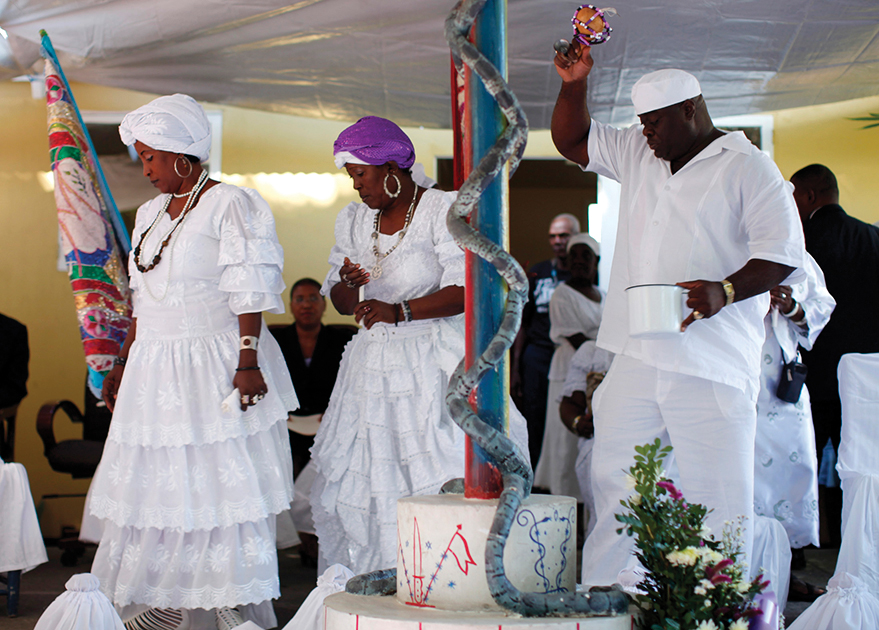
486,290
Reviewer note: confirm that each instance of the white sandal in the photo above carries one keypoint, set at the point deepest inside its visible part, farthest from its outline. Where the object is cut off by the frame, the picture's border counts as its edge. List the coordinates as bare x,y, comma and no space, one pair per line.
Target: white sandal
160,619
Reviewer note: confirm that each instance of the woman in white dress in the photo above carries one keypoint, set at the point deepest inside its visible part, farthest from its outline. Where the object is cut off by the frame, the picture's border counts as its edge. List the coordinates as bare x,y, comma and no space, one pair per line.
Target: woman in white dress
785,461
193,473
386,433
574,314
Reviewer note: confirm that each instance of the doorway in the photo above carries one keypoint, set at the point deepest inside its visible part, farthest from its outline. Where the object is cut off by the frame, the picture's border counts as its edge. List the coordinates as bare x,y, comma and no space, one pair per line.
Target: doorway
539,190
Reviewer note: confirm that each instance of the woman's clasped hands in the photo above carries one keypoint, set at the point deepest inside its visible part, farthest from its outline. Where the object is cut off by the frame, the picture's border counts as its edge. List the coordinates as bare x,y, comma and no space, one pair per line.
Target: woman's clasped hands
370,312
353,275
367,312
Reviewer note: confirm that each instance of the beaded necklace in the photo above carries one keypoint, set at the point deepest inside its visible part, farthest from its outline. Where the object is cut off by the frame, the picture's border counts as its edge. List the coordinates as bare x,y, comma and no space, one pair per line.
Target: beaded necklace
190,203
376,227
168,267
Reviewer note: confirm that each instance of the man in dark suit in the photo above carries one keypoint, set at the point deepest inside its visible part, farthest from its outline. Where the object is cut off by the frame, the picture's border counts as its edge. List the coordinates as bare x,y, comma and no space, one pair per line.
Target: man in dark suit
313,353
532,351
847,250
14,356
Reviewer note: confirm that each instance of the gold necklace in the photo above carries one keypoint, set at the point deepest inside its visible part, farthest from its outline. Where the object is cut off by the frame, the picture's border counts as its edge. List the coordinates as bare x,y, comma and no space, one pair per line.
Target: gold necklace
376,227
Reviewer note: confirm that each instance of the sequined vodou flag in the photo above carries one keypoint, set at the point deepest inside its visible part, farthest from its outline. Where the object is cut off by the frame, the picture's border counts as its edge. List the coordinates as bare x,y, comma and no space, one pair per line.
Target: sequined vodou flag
94,260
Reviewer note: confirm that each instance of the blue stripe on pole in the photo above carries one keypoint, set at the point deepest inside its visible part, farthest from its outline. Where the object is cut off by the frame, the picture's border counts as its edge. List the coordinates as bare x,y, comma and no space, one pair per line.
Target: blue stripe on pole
492,216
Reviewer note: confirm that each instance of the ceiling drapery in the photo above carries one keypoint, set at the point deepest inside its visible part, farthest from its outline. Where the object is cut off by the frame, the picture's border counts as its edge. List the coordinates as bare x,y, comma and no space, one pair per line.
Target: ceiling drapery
342,59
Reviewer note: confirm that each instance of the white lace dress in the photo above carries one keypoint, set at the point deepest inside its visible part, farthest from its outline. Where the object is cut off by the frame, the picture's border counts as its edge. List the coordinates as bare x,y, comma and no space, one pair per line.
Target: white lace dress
785,460
386,433
188,493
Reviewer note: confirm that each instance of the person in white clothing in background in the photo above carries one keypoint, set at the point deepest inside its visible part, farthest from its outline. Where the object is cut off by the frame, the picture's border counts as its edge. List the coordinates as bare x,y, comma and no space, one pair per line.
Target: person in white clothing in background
574,315
708,211
785,462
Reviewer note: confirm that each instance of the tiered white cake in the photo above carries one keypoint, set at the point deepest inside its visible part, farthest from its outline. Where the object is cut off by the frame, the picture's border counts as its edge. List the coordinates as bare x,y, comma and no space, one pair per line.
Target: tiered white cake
441,579
441,549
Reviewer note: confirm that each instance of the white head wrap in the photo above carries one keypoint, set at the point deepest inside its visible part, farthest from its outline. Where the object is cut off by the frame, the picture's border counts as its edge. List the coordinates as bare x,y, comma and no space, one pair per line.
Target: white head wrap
345,157
662,88
175,123
583,238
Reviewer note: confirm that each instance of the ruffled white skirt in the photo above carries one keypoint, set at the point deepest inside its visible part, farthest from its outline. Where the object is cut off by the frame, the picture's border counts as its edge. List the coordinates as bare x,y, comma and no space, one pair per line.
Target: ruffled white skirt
386,435
187,494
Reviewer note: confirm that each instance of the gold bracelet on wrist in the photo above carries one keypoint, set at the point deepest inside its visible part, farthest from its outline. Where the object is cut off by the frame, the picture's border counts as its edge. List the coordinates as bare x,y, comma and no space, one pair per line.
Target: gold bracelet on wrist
730,292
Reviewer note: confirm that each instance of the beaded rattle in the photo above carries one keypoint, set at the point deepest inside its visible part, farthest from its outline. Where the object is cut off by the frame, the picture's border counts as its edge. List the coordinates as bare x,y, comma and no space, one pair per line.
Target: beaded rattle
590,27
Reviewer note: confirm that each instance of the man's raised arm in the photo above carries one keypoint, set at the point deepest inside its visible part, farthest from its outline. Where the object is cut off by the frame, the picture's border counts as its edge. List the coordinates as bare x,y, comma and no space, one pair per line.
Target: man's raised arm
570,118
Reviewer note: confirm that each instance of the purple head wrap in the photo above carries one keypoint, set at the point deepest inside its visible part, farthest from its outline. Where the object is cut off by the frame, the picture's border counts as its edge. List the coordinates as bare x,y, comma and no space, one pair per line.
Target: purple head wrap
376,141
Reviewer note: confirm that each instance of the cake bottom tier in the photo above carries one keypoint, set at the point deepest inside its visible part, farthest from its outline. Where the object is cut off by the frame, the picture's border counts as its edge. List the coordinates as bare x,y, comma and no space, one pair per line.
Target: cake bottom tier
344,611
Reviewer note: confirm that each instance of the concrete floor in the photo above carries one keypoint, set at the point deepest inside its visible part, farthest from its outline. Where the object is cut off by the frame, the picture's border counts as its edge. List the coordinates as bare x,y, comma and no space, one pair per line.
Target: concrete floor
40,587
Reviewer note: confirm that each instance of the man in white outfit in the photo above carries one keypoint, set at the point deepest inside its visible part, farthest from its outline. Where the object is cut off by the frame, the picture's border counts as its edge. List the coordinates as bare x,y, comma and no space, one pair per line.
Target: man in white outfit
708,211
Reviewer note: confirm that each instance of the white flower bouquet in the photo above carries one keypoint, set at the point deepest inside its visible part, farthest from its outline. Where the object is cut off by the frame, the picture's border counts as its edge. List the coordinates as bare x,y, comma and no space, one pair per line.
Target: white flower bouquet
693,582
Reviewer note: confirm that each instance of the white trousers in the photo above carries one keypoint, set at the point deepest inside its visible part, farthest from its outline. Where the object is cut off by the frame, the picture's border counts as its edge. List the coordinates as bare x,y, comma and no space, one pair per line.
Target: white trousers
711,427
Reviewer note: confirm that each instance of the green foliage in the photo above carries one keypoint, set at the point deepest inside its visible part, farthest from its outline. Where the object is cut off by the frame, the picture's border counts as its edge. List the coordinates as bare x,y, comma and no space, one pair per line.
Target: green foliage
693,581
871,118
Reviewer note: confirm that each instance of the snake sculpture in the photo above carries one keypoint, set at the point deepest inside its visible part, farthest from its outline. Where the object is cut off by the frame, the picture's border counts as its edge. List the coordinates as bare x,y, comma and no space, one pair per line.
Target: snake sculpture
517,475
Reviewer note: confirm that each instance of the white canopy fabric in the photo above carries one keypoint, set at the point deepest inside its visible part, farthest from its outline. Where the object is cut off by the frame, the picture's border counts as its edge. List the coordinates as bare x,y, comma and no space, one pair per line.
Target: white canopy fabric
342,59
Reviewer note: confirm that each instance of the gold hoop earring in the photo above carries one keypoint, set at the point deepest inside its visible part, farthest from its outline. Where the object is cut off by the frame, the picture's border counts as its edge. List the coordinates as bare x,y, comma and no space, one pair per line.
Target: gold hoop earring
179,174
392,195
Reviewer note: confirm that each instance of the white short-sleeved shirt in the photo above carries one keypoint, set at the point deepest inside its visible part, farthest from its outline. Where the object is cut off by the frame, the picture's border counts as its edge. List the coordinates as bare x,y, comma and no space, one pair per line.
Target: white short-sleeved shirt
727,205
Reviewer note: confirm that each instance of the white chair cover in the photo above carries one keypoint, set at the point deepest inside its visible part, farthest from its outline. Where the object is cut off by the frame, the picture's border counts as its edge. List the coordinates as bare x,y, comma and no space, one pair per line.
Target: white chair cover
772,556
859,393
300,509
848,604
81,607
852,598
21,542
310,614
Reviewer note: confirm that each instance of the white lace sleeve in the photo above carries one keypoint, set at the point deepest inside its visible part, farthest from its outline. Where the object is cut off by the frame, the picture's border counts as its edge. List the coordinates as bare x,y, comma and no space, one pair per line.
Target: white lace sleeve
816,301
252,256
344,246
450,256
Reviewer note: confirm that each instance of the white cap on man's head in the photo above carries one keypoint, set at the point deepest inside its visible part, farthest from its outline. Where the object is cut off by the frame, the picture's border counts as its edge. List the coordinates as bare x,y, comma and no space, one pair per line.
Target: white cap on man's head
662,88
